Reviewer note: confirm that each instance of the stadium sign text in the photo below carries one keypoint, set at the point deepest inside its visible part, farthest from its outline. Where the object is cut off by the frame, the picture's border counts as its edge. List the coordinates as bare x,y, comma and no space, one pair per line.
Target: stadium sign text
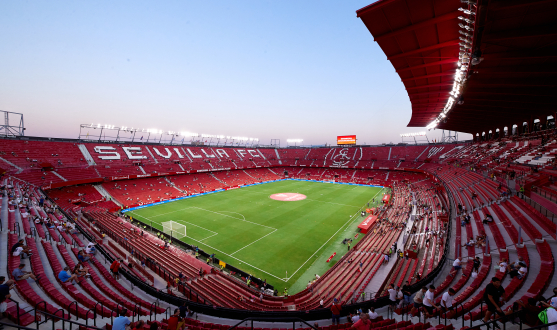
136,153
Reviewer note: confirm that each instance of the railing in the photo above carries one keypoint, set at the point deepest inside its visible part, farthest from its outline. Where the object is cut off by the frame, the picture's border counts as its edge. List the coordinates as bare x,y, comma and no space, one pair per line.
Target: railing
274,319
545,194
504,319
548,214
16,228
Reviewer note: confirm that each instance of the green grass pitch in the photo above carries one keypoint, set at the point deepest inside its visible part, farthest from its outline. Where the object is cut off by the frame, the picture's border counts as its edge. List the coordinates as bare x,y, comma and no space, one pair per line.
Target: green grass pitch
268,238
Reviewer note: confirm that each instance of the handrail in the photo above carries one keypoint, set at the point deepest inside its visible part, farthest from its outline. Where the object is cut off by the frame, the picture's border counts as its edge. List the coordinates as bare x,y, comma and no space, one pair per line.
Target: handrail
76,309
16,225
273,319
17,309
153,307
55,319
503,319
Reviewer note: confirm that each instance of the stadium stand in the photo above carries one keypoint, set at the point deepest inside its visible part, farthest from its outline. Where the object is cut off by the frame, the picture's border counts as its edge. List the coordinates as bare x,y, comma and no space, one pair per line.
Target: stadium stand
465,171
490,203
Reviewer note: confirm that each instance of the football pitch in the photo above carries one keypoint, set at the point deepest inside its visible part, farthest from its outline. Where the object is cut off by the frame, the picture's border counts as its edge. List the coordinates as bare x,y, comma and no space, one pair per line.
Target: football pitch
284,242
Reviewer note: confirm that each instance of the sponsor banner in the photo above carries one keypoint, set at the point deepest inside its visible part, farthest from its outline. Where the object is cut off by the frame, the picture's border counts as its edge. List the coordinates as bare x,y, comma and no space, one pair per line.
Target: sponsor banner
331,257
346,139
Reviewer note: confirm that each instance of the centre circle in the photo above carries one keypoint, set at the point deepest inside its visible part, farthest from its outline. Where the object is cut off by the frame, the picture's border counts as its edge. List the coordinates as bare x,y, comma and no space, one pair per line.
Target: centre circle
288,197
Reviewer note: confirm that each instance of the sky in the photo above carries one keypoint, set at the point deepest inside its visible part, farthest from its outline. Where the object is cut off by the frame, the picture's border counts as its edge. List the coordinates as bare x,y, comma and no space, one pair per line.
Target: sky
264,69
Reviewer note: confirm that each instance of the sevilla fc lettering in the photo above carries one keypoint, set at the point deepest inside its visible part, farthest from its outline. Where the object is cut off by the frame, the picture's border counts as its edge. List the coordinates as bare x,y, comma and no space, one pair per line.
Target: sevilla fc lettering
138,153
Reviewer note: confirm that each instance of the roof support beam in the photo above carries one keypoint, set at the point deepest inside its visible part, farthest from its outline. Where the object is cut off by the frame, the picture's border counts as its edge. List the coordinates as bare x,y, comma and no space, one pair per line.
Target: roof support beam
431,85
427,93
433,75
449,61
428,100
438,19
424,49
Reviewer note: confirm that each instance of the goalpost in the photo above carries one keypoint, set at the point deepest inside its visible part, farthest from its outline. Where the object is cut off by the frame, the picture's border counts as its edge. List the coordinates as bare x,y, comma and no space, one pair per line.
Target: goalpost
174,229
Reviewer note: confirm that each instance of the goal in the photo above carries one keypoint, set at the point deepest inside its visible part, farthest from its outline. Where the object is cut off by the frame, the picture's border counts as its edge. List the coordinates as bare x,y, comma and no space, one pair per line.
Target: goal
174,229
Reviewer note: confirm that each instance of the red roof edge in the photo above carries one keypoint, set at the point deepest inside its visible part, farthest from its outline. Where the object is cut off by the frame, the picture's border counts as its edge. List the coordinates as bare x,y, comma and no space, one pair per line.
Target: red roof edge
378,3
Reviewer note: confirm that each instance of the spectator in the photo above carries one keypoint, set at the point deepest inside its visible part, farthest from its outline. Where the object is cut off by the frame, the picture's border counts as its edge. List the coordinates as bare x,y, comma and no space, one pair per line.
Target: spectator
456,265
492,296
115,267
429,303
82,257
65,276
531,311
477,264
552,314
399,297
353,317
488,219
91,249
18,248
335,311
372,314
175,322
392,295
79,270
518,261
503,266
183,310
363,322
447,300
406,292
418,300
522,270
154,326
19,274
4,294
121,322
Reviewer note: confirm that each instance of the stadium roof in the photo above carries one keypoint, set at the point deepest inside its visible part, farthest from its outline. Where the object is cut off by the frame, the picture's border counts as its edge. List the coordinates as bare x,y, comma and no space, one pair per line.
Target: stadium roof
513,52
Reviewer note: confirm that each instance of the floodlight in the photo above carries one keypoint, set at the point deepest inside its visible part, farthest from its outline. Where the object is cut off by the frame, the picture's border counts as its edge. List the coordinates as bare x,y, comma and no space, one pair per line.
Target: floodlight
466,11
465,27
467,20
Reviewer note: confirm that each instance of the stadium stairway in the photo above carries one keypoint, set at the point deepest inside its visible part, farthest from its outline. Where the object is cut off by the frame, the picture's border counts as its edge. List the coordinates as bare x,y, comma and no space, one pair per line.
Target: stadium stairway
11,312
380,276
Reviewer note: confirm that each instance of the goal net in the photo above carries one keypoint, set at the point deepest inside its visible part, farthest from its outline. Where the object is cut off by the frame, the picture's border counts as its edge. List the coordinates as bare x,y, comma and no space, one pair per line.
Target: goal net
174,229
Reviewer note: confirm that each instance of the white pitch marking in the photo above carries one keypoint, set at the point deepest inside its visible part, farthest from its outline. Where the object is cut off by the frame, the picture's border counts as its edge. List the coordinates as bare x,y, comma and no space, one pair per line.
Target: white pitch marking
254,241
226,215
214,233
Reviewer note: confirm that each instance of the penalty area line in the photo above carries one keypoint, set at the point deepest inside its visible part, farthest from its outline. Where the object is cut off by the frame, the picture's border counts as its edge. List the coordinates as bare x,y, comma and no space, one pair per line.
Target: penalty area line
254,241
